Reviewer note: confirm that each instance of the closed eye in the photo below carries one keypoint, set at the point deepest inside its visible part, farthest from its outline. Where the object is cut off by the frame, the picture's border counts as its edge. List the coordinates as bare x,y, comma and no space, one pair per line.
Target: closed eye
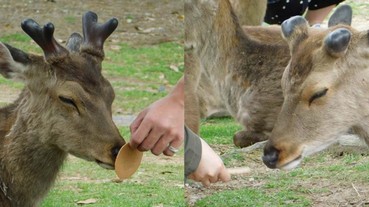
69,101
317,95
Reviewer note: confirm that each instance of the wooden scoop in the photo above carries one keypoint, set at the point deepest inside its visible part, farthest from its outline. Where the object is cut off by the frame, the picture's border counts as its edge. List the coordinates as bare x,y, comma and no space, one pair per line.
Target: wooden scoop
239,170
127,162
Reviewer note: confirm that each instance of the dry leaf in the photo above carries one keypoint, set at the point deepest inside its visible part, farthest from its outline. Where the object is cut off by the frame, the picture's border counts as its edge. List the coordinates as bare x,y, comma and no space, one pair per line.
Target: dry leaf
181,17
174,67
88,201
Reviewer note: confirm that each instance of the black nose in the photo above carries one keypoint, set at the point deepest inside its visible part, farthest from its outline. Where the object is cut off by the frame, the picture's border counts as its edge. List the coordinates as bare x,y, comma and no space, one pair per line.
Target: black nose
270,157
115,151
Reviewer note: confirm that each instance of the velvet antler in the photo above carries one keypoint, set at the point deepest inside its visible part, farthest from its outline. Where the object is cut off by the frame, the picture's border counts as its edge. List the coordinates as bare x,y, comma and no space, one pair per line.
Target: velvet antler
95,34
44,38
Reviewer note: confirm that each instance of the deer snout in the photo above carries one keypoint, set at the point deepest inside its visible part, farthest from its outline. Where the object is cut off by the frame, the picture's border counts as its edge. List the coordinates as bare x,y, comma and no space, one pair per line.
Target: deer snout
115,151
270,157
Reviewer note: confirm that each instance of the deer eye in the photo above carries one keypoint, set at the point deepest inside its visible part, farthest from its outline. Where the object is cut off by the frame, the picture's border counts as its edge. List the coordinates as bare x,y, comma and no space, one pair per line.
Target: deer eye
68,101
317,95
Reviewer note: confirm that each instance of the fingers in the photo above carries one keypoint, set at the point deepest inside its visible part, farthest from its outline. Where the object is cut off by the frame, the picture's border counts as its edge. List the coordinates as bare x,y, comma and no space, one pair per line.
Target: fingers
224,175
140,134
176,142
161,145
214,178
203,179
206,182
136,123
151,140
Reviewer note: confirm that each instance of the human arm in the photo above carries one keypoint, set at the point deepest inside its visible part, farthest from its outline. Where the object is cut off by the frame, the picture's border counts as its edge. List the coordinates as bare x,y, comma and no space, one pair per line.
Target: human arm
210,167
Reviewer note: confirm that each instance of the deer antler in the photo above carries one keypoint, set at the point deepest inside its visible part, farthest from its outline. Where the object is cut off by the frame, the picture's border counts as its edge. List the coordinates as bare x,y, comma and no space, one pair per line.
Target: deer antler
95,34
44,38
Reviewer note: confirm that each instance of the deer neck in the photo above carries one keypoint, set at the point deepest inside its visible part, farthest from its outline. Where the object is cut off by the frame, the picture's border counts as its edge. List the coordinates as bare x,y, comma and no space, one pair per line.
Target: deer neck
28,165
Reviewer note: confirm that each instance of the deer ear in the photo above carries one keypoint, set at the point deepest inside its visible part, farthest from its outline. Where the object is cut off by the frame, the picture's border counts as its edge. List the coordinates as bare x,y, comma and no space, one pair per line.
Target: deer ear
337,42
12,61
294,30
342,15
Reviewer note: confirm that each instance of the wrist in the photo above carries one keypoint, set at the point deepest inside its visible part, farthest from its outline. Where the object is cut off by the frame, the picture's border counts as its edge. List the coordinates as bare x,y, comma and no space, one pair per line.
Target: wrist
177,98
177,94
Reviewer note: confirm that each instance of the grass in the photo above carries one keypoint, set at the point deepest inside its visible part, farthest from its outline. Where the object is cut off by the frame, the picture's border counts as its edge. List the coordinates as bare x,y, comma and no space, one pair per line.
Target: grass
255,198
319,176
210,129
81,180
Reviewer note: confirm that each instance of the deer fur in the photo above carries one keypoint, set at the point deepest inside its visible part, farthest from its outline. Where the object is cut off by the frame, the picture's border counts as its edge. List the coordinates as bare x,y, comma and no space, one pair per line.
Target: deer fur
249,12
325,89
239,67
65,107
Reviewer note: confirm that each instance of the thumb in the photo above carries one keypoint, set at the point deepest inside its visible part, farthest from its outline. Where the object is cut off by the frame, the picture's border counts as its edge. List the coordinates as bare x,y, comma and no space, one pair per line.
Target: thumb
224,175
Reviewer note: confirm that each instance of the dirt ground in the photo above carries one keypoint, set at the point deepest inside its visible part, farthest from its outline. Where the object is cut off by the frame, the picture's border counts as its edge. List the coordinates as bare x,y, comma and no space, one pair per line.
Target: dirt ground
140,21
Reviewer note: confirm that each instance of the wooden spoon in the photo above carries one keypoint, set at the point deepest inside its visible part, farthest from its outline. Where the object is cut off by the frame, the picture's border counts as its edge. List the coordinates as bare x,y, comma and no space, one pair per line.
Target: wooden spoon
127,162
239,170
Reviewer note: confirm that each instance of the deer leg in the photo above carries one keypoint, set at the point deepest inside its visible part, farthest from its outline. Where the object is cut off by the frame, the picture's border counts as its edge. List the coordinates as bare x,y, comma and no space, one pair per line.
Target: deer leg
192,112
192,105
245,138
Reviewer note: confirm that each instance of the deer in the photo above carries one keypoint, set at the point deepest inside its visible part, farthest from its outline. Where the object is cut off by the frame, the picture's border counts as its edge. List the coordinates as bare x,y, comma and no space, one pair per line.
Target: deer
64,108
325,88
249,13
244,66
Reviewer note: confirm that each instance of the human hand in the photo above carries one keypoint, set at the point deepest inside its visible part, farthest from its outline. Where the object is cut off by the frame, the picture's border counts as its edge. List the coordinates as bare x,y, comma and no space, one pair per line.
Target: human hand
159,126
211,168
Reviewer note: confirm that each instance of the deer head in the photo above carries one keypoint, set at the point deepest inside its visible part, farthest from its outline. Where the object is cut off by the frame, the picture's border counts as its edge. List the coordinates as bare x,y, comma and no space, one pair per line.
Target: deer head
66,102
325,91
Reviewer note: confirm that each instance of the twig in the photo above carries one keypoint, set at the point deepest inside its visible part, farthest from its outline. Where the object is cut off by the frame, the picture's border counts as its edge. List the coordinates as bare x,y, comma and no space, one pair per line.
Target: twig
239,170
356,190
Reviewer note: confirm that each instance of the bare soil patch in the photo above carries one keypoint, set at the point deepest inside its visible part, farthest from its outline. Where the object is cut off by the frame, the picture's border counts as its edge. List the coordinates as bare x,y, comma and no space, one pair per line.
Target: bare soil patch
140,21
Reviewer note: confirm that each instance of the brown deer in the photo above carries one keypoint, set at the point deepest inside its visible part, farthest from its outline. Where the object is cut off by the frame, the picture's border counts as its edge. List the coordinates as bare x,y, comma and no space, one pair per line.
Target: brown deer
240,67
244,66
249,12
325,88
65,107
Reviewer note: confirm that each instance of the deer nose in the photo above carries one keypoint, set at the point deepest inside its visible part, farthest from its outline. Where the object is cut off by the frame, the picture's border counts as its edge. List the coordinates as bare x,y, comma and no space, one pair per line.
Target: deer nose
270,157
115,151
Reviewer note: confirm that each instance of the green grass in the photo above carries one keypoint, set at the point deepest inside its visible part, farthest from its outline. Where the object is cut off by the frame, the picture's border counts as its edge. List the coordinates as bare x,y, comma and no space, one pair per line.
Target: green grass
219,130
254,198
152,185
146,63
318,175
71,19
